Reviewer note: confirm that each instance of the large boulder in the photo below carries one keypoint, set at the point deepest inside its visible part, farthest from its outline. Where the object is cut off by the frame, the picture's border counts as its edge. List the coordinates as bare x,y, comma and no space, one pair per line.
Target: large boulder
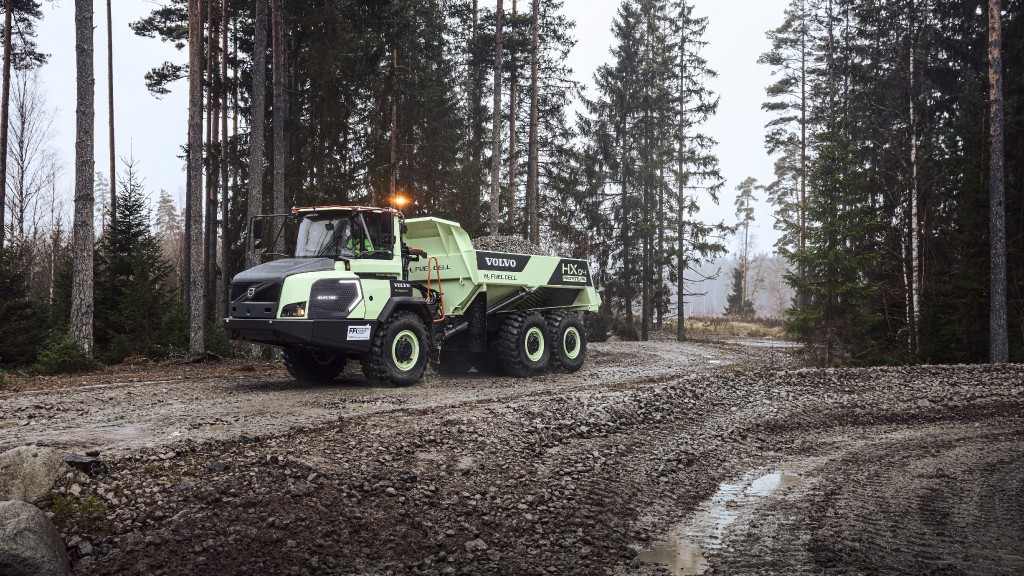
29,544
29,472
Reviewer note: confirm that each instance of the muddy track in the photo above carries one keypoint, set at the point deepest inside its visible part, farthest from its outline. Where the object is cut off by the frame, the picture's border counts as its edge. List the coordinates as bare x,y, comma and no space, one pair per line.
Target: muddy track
158,409
638,466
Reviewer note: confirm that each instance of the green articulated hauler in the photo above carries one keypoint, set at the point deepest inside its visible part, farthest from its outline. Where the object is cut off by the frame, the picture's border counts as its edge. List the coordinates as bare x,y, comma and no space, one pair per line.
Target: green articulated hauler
361,283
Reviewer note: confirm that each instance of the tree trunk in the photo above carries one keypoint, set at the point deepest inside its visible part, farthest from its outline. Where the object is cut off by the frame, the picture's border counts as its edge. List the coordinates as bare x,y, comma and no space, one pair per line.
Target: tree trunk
532,180
5,105
681,262
212,180
801,298
476,92
280,114
224,294
194,199
496,126
83,239
110,113
914,292
256,132
513,87
998,343
393,173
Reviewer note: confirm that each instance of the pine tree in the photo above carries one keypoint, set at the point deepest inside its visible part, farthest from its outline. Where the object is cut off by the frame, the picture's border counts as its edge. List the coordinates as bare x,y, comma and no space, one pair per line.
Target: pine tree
745,217
132,297
839,247
22,55
695,171
21,331
737,305
790,133
84,234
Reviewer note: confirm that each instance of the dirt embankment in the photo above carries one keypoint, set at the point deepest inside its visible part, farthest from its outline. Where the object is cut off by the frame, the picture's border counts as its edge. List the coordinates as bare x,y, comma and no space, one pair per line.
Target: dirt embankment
638,464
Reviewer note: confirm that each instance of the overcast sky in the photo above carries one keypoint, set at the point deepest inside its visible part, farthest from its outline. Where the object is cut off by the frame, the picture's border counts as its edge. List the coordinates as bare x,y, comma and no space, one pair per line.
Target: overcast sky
153,130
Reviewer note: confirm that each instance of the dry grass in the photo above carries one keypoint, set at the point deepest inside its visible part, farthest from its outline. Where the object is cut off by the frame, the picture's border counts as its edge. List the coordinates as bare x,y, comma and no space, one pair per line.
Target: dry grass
727,327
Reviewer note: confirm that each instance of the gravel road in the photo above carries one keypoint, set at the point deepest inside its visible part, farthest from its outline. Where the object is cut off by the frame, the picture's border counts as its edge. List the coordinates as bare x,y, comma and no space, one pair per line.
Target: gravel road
658,458
157,406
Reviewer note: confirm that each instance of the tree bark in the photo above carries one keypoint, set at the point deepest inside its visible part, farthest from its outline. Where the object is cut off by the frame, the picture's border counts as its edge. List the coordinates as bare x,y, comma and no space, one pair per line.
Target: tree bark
998,340
681,262
194,199
256,133
801,298
532,177
513,87
83,237
224,294
5,104
496,126
280,114
212,160
914,292
110,112
393,172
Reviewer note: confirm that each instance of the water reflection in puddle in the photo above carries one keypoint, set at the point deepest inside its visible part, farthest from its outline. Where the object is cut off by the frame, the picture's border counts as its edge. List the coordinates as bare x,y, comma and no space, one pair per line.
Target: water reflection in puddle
682,551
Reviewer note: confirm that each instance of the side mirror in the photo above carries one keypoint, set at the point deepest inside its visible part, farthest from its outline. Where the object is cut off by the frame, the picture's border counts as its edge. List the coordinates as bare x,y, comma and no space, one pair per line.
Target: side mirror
257,232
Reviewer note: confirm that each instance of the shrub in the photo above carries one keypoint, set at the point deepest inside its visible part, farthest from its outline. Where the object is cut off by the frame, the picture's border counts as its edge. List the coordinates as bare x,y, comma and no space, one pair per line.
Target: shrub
60,354
598,324
81,514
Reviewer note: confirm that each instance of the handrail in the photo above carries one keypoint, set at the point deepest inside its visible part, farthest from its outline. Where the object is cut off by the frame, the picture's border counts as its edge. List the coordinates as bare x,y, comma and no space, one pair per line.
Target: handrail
440,291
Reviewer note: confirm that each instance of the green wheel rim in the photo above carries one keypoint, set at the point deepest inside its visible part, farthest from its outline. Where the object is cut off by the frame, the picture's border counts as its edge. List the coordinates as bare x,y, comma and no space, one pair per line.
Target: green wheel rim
571,343
535,342
405,350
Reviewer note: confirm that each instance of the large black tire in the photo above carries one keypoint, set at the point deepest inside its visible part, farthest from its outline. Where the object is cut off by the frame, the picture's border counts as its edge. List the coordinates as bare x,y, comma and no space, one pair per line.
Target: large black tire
568,337
313,365
454,362
399,351
522,344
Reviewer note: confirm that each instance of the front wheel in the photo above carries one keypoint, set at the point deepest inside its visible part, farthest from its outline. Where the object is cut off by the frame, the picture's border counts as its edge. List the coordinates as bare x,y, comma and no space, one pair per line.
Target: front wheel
313,365
568,340
398,354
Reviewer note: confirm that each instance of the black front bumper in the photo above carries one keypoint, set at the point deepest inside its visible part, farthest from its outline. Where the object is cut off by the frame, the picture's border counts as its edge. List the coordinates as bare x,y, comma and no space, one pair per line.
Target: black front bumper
340,335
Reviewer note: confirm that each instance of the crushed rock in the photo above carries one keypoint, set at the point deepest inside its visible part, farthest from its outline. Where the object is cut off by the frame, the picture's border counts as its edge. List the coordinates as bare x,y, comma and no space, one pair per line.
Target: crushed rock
511,244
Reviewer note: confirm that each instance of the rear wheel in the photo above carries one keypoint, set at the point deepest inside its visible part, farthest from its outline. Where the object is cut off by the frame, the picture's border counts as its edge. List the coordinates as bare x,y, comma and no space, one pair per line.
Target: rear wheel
568,340
313,365
399,351
522,344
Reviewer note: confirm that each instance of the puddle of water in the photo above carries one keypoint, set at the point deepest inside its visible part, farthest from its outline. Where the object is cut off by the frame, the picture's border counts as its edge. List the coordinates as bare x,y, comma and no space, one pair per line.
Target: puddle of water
681,557
682,551
769,483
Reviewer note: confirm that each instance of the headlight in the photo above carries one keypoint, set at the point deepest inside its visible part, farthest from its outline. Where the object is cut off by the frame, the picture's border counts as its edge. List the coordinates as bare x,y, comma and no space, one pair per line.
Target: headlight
296,310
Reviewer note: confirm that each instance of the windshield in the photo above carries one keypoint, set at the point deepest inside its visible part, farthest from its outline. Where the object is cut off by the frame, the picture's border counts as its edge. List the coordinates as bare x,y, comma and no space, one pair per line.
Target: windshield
324,237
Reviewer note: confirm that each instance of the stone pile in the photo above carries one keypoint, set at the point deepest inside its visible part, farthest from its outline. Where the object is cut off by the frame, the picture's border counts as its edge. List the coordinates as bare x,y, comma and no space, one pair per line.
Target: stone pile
512,244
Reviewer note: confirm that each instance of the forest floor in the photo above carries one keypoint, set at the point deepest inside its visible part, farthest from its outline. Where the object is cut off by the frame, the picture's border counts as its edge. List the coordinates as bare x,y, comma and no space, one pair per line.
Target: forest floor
656,458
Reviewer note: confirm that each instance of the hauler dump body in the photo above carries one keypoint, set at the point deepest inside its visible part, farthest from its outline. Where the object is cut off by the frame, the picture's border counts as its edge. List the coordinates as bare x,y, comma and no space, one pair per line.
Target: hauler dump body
362,283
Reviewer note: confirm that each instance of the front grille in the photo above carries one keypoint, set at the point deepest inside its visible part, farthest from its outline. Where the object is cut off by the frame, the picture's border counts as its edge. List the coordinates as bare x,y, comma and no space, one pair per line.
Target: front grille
333,299
264,292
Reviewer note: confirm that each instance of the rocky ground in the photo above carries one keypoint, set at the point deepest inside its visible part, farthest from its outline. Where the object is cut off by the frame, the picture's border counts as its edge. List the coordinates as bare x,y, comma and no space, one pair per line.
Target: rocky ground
655,458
